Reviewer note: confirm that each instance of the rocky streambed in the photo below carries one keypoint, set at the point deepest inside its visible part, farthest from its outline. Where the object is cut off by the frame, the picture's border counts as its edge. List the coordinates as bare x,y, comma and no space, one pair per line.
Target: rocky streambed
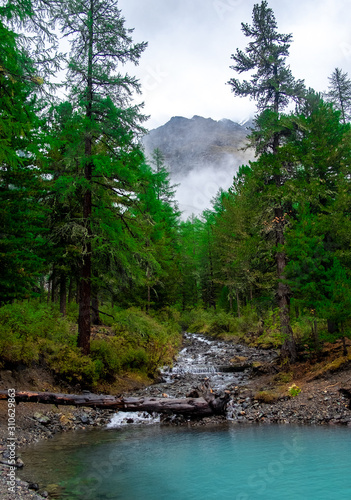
246,375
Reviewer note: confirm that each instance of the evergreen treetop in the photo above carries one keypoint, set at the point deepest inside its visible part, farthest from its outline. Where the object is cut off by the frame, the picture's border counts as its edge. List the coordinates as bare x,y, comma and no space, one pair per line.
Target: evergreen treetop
339,93
273,85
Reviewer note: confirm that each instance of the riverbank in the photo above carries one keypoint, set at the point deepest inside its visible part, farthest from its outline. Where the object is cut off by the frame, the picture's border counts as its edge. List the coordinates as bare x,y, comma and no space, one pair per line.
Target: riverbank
257,386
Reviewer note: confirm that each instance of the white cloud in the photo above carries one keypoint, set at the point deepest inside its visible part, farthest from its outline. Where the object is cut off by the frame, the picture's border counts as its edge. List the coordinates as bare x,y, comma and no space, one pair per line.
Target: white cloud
186,66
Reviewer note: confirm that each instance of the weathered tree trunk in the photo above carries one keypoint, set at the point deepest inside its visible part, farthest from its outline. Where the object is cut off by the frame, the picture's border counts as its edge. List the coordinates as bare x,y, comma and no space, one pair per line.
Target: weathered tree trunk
197,406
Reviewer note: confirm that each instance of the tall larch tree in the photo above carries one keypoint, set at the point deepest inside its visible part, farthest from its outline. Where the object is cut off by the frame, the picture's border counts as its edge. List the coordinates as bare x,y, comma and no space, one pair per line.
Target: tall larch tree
339,93
20,182
100,45
273,87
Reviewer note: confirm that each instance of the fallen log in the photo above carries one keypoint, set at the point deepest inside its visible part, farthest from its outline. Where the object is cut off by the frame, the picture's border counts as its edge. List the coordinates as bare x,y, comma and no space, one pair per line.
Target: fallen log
197,407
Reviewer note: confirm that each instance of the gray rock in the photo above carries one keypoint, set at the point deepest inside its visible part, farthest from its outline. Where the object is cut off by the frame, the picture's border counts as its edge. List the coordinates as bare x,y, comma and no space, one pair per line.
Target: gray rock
85,419
42,419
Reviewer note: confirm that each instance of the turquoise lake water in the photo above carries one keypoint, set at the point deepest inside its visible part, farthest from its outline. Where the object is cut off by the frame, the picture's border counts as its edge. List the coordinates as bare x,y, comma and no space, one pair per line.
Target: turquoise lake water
222,463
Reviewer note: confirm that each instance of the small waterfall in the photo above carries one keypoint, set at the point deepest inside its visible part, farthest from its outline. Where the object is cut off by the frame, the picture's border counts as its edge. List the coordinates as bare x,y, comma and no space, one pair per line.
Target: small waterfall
200,359
121,419
194,369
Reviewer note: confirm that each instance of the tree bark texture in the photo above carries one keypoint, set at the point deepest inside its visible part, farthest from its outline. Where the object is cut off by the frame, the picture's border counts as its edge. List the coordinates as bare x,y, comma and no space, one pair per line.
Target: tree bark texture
84,318
197,406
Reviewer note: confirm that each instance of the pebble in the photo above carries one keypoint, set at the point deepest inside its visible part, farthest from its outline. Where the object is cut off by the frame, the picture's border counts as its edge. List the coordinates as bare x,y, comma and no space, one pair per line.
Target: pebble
321,408
44,427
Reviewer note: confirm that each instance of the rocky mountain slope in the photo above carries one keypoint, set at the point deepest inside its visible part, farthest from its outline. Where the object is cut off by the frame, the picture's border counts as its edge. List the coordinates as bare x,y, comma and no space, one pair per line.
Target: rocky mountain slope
202,155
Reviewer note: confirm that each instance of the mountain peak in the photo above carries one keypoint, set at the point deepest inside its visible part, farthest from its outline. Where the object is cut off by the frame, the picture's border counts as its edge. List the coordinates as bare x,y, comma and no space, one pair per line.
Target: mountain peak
201,154
192,143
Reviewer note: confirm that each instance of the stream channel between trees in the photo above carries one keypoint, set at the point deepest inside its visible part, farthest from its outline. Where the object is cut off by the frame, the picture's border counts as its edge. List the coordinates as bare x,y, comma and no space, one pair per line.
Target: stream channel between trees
209,461
221,365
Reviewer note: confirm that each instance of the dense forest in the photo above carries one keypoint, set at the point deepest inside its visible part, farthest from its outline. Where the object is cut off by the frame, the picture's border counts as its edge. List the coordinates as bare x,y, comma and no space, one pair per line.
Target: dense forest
98,274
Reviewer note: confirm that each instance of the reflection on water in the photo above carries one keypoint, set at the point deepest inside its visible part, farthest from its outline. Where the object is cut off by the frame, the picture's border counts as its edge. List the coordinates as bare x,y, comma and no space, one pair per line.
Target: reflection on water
222,463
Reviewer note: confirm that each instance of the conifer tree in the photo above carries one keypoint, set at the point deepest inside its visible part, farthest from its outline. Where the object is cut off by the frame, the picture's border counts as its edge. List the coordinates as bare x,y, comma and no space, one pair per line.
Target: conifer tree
339,93
272,86
20,183
101,94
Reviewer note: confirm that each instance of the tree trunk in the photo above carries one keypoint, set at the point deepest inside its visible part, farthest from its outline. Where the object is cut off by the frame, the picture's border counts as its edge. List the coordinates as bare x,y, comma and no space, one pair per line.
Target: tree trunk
332,326
70,291
84,319
148,290
288,349
230,301
197,406
63,294
77,290
238,303
49,291
53,285
95,316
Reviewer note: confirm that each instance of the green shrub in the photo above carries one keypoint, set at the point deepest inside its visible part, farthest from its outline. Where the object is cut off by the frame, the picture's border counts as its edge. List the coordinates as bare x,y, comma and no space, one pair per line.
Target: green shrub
69,364
136,358
34,320
220,322
196,320
31,332
107,355
294,390
139,332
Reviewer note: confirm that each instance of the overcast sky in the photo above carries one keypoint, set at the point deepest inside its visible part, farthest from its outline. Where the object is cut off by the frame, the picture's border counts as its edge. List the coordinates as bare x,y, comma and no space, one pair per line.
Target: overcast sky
185,68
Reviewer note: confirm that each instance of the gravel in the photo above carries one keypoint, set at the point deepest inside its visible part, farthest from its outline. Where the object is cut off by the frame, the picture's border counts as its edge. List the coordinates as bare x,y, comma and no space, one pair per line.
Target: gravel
320,401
